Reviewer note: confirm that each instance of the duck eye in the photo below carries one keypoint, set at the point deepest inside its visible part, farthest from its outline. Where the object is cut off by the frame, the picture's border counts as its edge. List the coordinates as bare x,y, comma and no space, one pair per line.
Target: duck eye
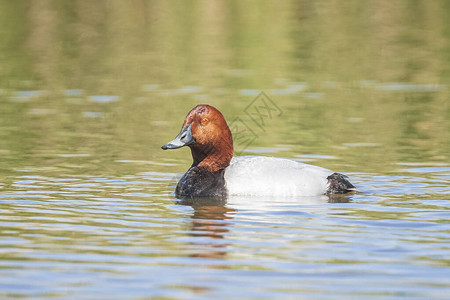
204,122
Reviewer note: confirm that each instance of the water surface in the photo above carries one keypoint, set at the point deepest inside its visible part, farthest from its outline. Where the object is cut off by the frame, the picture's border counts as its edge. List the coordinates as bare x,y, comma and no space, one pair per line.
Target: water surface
90,91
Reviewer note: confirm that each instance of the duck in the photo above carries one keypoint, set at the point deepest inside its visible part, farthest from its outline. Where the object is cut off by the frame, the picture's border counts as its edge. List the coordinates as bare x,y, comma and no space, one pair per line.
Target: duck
216,173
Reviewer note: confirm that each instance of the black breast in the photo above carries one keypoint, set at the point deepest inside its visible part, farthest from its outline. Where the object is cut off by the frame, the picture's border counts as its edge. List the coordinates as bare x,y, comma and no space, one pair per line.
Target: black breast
197,182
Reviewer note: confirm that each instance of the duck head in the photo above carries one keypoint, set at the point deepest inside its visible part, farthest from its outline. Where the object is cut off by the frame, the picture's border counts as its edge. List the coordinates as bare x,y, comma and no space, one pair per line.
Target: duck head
207,134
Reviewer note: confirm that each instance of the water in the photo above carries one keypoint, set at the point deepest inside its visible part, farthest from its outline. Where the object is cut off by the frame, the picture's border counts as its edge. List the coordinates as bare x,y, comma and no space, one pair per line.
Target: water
127,237
86,194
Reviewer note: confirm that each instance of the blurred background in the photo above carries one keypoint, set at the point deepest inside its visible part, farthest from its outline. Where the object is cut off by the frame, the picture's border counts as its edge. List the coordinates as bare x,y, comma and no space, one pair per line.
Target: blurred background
364,81
90,90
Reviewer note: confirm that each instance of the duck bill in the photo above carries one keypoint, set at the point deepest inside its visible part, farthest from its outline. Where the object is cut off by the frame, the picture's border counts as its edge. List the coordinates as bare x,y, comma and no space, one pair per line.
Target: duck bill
184,138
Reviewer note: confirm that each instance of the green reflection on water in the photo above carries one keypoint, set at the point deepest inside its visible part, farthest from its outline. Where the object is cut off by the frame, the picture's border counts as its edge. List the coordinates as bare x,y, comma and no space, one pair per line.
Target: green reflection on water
90,90
366,84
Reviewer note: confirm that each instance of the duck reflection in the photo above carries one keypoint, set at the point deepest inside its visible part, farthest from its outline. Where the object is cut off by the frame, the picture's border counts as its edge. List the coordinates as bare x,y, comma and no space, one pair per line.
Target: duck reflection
209,226
211,217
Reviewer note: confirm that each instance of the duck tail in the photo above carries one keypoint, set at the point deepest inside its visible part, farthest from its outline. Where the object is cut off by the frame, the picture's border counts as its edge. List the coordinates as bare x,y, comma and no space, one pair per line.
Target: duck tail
338,184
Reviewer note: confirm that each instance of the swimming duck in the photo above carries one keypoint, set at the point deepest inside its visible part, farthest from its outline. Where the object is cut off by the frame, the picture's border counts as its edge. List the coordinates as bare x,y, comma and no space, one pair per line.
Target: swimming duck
216,173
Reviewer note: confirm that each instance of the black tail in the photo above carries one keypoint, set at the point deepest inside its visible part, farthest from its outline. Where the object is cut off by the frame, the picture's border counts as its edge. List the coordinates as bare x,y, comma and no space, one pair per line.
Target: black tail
338,184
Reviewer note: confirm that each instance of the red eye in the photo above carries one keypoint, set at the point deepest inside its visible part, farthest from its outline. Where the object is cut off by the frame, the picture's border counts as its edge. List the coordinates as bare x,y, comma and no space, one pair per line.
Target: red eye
204,122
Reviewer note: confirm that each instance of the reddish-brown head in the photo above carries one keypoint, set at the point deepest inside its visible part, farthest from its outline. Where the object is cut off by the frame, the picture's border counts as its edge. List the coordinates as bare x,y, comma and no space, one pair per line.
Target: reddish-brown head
206,132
